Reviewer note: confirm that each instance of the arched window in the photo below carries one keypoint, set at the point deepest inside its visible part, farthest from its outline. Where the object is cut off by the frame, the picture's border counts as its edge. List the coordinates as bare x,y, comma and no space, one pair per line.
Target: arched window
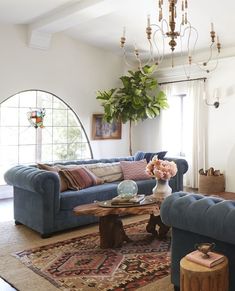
37,126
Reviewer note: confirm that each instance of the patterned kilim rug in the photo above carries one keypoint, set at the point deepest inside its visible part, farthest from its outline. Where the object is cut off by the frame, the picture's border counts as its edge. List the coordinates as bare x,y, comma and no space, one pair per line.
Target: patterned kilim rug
80,264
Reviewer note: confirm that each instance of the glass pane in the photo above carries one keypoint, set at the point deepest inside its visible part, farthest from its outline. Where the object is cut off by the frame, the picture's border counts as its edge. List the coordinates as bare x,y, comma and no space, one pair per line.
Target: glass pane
47,121
27,135
27,154
58,104
85,153
8,155
3,169
47,135
74,134
60,117
46,153
75,150
11,102
84,138
72,119
9,135
28,99
59,152
59,134
44,100
23,116
9,116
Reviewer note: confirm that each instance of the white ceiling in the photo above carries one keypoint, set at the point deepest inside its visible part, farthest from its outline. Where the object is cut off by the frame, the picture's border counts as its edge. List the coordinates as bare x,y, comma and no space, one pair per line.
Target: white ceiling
100,22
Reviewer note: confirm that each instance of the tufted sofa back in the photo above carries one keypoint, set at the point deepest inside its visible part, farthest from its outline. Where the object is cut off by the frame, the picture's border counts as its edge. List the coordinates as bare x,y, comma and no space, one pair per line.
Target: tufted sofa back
94,161
209,216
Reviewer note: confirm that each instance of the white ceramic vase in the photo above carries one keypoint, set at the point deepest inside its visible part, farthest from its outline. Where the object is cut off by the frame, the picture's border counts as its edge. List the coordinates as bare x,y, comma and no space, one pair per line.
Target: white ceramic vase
162,189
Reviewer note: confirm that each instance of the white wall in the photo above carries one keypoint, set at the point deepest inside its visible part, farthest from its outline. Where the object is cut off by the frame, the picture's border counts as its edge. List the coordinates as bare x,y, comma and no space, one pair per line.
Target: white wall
221,122
146,136
69,69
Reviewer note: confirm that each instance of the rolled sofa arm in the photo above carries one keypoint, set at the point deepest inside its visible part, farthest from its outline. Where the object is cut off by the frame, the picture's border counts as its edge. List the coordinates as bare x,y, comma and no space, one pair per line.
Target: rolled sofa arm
176,182
32,179
209,216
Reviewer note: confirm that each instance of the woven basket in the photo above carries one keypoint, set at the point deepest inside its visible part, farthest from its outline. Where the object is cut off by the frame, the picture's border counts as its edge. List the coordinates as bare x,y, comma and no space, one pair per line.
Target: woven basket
211,184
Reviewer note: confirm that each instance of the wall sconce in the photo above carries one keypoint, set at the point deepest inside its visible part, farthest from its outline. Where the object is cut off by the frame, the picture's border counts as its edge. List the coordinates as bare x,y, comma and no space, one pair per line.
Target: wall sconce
216,97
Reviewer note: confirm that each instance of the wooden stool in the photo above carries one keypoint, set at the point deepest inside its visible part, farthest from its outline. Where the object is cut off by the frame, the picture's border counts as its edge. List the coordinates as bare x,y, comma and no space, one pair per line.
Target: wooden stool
194,277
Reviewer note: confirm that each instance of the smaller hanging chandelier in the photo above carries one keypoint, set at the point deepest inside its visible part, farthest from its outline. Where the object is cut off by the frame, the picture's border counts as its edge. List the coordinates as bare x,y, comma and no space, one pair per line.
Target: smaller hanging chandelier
185,37
36,116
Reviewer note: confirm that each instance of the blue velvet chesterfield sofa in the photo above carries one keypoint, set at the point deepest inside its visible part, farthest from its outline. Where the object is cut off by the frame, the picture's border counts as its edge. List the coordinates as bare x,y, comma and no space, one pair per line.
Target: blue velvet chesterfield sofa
196,218
39,204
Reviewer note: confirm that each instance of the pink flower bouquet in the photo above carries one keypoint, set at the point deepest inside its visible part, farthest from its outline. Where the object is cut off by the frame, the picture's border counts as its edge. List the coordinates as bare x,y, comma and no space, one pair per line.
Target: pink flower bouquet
160,169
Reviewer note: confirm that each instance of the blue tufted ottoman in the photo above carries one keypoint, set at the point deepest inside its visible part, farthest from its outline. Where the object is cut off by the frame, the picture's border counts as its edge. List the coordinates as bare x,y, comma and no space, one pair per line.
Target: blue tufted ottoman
195,218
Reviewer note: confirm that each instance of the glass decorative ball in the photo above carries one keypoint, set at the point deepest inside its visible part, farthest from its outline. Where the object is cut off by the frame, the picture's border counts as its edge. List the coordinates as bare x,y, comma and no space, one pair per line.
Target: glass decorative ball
127,188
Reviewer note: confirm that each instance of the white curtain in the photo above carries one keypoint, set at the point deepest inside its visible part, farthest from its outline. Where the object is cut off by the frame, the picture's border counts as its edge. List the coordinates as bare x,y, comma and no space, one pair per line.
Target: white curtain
197,155
194,127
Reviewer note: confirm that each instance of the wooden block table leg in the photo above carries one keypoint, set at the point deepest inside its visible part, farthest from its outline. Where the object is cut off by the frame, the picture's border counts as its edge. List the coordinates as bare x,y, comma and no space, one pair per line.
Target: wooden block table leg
195,277
163,229
151,226
112,234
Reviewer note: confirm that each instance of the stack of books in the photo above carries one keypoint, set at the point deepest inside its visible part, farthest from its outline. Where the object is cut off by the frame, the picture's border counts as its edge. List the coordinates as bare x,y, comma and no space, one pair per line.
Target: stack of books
124,200
198,257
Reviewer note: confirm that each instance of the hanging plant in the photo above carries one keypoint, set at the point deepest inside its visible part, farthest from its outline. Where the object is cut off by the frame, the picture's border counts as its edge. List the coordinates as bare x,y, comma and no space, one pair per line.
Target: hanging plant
139,98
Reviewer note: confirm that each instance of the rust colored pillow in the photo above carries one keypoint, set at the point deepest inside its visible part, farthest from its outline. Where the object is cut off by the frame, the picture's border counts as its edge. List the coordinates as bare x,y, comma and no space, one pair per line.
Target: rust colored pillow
134,170
63,182
79,178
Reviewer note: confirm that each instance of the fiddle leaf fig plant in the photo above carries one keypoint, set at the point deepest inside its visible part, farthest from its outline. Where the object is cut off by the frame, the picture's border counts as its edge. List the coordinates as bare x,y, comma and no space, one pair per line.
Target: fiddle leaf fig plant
137,99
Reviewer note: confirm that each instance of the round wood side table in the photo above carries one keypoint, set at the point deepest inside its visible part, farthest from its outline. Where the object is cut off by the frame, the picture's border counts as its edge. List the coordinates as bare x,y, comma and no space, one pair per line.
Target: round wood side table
194,277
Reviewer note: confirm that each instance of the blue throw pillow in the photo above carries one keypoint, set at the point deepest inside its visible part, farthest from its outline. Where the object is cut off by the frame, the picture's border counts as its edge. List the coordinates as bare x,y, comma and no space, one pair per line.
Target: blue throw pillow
139,156
148,156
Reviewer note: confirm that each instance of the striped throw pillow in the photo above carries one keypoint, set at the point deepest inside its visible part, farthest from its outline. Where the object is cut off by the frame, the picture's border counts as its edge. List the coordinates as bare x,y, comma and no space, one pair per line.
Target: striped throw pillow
79,178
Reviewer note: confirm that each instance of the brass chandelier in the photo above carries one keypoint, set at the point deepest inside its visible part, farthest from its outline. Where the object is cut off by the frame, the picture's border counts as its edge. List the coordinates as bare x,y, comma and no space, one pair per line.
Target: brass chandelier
185,36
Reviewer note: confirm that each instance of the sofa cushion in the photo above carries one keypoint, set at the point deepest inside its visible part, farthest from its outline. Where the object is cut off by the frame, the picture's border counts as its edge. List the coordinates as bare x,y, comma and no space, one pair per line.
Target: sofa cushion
109,172
134,170
79,178
56,169
71,199
149,155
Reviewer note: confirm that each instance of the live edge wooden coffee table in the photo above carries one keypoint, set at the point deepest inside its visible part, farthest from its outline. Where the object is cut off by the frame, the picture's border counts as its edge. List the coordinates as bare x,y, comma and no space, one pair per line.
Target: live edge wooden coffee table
112,233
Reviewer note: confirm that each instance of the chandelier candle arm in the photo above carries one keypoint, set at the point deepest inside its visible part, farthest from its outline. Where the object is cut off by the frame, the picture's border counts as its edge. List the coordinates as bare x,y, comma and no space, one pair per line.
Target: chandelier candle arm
148,28
218,45
212,26
123,38
212,36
